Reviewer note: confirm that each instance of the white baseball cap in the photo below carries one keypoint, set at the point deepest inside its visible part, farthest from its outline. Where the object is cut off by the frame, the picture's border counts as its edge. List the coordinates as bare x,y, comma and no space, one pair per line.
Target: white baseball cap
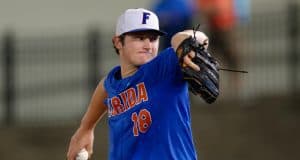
134,20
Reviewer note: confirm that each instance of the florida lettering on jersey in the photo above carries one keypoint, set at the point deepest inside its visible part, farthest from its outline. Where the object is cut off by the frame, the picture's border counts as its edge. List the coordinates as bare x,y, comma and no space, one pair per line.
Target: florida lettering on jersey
127,99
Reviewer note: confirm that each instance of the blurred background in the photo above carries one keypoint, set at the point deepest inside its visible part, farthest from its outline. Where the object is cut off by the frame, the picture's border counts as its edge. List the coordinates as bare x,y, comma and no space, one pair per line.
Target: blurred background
53,53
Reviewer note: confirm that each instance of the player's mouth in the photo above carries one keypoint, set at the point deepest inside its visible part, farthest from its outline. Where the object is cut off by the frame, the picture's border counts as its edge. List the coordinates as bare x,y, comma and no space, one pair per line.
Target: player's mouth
144,52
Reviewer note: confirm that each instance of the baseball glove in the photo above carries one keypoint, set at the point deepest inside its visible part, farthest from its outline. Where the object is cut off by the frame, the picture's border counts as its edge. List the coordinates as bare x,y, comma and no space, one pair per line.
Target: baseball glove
206,81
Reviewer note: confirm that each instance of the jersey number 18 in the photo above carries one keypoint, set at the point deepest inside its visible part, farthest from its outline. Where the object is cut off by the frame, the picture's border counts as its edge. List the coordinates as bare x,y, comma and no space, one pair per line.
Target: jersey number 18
141,121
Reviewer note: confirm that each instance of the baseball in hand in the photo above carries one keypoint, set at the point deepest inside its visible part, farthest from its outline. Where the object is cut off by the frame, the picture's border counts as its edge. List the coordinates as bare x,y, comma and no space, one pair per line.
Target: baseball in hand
82,155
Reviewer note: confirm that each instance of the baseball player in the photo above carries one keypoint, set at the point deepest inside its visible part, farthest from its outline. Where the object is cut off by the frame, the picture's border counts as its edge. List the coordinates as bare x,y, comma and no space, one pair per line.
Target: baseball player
145,97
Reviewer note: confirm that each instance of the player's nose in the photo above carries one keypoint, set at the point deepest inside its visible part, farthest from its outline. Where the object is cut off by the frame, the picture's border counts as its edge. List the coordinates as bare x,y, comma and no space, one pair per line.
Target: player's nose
147,43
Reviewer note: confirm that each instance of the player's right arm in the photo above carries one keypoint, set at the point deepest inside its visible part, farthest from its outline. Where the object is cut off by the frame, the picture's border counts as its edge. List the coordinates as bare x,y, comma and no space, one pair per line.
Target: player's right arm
84,136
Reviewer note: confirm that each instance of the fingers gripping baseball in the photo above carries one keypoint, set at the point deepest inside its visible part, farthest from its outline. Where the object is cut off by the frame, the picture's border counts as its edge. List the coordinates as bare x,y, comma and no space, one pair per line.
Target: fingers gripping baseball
80,140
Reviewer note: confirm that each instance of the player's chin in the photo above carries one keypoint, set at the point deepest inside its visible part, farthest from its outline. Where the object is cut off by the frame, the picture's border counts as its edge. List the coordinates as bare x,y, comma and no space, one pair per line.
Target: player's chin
139,63
144,59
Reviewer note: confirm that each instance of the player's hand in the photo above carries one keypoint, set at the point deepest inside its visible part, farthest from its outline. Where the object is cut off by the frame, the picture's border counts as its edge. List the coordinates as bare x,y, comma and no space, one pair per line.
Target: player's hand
179,37
187,61
81,139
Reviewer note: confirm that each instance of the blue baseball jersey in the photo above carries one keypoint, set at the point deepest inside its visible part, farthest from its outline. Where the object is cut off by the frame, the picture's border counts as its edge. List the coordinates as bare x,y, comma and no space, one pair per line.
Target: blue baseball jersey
149,112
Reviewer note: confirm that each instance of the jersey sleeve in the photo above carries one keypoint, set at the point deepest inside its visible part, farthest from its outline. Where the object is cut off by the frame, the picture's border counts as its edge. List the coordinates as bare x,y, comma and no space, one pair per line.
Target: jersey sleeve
165,66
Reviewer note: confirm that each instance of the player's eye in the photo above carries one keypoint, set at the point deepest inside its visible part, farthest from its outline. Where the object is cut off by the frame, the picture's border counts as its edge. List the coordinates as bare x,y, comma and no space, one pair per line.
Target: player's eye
153,38
139,37
142,38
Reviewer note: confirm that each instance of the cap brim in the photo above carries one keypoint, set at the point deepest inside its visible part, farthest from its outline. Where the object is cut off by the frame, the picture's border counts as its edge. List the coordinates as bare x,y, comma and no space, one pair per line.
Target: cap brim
161,33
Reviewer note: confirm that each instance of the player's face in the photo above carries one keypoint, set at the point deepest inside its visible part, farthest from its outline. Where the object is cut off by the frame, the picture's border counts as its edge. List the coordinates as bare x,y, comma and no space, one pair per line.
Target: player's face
139,48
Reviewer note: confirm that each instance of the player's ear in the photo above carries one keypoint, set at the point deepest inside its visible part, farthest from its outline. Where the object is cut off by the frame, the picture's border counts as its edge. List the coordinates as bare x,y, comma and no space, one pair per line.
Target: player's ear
116,40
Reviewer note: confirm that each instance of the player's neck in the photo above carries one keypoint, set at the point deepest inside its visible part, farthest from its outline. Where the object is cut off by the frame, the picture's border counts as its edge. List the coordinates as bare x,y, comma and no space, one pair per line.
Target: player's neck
128,70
